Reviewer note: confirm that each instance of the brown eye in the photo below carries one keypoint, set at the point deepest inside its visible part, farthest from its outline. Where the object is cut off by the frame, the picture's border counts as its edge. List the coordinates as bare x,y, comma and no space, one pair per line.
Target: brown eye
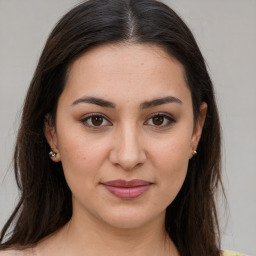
97,120
158,120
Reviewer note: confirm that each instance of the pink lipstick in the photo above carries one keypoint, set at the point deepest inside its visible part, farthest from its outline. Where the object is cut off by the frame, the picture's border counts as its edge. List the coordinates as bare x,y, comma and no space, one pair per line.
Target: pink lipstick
127,189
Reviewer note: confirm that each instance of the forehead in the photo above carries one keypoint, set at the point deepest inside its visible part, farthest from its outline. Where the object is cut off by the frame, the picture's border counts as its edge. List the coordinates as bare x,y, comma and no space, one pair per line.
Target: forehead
123,71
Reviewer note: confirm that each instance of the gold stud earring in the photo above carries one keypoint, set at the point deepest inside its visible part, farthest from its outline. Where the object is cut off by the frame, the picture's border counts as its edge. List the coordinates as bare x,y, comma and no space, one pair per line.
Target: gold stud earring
194,152
52,154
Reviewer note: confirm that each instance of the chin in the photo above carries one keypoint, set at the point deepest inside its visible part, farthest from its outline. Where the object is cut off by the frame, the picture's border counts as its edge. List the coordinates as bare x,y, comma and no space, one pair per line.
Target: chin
129,219
127,223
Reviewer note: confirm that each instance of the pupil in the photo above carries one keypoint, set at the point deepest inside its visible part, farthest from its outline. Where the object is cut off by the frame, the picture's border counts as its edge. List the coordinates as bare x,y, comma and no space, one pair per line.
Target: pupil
97,120
158,120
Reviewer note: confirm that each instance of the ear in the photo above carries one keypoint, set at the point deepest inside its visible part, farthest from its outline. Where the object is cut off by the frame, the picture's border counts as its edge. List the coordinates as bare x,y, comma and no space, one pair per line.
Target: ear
198,127
51,137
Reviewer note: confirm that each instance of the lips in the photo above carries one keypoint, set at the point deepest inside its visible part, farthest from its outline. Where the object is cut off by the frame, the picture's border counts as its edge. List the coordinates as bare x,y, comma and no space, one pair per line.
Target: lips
127,189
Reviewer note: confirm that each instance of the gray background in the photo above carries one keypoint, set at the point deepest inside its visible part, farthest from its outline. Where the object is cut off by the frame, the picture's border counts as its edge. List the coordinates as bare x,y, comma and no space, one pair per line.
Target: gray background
226,33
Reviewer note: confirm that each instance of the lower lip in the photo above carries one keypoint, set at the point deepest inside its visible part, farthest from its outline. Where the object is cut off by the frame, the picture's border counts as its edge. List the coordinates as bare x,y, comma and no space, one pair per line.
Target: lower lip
127,193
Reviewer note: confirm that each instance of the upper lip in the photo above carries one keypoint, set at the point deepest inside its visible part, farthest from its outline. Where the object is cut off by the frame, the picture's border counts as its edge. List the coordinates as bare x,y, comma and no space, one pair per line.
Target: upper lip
127,183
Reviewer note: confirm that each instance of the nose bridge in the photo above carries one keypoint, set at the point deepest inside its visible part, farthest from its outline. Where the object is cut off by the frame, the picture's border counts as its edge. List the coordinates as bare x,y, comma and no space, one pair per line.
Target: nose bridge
128,150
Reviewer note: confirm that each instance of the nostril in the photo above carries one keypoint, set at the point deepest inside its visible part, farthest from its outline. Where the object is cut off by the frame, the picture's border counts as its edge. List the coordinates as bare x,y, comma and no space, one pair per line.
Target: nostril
128,159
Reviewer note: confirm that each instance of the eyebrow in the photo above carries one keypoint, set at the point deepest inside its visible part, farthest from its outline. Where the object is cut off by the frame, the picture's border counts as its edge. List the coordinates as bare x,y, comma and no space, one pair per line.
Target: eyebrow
160,101
96,101
147,104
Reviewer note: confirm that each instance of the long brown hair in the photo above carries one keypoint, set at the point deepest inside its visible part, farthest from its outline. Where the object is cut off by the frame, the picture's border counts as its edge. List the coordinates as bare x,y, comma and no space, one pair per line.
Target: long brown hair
45,202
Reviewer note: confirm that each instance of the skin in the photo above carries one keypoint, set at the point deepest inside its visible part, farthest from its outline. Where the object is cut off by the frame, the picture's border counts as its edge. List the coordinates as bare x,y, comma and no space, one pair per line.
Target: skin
127,143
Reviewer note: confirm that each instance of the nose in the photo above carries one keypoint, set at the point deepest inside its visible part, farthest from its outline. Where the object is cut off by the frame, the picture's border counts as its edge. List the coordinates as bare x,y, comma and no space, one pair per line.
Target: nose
127,151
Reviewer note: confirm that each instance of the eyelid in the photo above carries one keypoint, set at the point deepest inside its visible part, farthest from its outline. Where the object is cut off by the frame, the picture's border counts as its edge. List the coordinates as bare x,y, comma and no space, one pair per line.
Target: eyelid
170,118
85,118
167,116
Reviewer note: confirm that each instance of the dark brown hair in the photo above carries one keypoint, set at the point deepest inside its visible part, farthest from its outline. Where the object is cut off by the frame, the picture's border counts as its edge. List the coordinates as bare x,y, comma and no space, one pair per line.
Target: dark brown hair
45,199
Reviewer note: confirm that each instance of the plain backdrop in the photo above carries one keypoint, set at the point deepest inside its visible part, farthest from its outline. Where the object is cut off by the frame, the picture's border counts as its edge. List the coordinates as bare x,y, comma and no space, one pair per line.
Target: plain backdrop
226,33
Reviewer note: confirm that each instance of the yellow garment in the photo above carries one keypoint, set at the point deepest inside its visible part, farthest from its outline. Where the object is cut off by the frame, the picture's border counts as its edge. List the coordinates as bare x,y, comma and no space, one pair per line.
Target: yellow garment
231,253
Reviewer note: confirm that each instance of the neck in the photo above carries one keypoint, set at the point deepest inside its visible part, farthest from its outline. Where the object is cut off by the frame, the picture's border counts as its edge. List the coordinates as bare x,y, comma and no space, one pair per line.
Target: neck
83,236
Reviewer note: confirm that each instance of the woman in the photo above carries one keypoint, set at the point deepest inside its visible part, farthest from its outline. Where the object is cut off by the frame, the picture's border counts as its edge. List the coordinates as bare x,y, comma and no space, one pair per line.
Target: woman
122,100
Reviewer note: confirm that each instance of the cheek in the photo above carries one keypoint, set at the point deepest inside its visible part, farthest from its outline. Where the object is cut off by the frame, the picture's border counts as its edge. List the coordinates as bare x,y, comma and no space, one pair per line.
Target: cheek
171,162
77,147
174,150
81,158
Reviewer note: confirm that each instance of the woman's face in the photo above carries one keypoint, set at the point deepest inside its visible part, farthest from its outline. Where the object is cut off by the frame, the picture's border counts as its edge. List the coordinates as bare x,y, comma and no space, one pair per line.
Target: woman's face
125,133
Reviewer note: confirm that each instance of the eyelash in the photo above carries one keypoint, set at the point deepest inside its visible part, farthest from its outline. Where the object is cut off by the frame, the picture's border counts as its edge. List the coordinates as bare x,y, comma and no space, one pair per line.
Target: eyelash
90,116
169,120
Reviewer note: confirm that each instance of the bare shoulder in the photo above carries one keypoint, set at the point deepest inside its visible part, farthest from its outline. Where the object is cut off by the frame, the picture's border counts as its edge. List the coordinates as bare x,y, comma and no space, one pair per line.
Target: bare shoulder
26,252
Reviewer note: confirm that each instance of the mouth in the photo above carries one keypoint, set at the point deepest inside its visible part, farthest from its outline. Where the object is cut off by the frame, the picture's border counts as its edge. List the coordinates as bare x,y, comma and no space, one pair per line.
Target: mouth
127,189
